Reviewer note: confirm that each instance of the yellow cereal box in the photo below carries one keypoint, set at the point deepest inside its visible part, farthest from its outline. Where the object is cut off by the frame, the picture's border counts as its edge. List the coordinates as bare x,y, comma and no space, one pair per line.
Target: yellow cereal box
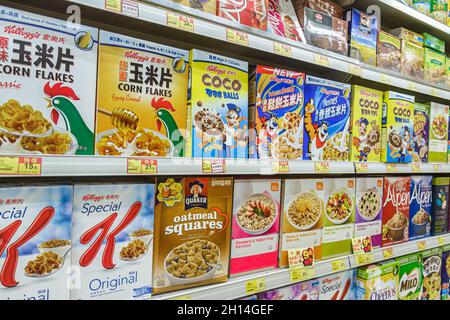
378,281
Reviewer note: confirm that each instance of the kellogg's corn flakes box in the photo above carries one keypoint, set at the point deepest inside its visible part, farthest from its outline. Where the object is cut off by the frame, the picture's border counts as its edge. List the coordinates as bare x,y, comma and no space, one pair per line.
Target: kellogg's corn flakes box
35,231
438,132
192,232
276,113
218,107
421,124
365,125
420,204
431,274
378,281
47,87
397,128
327,120
142,98
409,277
112,241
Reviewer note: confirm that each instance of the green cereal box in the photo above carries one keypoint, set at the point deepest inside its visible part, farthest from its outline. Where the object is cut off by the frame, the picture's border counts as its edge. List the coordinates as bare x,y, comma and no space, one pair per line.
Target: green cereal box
423,6
377,281
408,35
365,125
438,10
447,72
433,42
397,128
412,59
431,274
409,277
438,132
434,66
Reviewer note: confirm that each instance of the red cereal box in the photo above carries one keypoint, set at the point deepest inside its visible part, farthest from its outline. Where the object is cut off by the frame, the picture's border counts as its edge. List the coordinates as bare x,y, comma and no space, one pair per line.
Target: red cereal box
395,210
252,13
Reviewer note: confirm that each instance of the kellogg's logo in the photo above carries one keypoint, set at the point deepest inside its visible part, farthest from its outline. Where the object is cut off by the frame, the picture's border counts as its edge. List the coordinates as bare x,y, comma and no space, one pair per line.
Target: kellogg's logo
196,194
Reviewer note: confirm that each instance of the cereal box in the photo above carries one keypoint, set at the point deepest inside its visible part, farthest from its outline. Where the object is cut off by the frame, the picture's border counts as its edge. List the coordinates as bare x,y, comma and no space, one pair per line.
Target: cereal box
445,282
337,286
397,128
36,227
389,51
308,290
420,203
326,7
395,210
438,10
365,125
431,274
433,42
378,281
423,6
408,35
302,217
409,277
282,20
112,241
255,225
252,13
407,2
142,96
327,120
421,124
339,218
218,106
438,132
47,86
363,36
412,59
447,72
276,113
439,211
192,232
284,293
209,6
369,194
434,66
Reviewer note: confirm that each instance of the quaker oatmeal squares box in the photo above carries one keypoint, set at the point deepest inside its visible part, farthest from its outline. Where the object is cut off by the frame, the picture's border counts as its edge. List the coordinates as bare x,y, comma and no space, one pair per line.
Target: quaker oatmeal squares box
431,274
255,226
397,128
409,277
378,281
112,241
420,204
438,132
252,13
412,59
421,124
395,210
218,107
445,282
282,20
365,124
327,120
35,264
434,66
337,286
209,6
339,218
369,194
439,211
142,96
389,51
47,85
276,113
302,217
192,232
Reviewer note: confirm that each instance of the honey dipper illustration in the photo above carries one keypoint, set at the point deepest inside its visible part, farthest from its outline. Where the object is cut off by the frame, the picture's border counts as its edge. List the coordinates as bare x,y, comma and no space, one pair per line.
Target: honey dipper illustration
122,119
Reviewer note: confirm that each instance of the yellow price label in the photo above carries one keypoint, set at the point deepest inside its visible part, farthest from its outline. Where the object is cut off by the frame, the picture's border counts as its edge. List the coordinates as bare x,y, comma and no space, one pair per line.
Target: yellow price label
180,22
385,79
437,168
114,5
186,297
142,166
391,167
302,273
442,241
30,166
421,245
321,60
355,70
364,258
322,167
339,265
361,167
280,166
412,86
255,285
9,165
213,166
415,167
238,37
282,49
388,253
434,92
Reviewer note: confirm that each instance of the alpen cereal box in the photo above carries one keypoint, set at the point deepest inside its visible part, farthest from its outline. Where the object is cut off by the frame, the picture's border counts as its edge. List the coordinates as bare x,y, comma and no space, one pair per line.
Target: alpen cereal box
445,282
420,205
142,97
276,113
112,241
192,232
369,197
377,281
409,277
421,124
439,211
438,132
47,87
365,125
395,217
255,226
282,20
218,106
252,13
36,227
397,128
339,217
303,205
431,274
209,6
337,286
326,119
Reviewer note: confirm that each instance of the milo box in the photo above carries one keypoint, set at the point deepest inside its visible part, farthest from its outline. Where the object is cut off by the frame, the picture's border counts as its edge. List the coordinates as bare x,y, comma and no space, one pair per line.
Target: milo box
410,277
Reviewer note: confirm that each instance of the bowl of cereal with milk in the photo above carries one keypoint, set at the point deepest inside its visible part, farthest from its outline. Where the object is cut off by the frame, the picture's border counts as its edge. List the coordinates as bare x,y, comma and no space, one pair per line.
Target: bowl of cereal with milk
144,235
397,226
369,204
421,222
304,211
192,261
58,246
257,214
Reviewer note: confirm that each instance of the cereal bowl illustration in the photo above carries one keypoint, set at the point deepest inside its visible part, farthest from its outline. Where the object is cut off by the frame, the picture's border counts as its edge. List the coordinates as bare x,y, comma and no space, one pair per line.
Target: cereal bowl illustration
304,211
133,250
421,222
396,227
257,214
439,126
144,235
50,260
339,207
369,204
60,247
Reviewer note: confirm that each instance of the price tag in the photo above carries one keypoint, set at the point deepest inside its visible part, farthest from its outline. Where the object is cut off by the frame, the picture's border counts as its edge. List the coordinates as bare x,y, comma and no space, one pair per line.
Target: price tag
255,285
434,92
280,166
437,168
282,49
388,253
9,165
30,166
421,245
442,241
361,167
142,166
302,273
391,167
385,79
364,258
180,22
415,167
186,297
321,60
322,167
301,257
238,37
412,86
114,5
355,70
362,245
339,265
213,166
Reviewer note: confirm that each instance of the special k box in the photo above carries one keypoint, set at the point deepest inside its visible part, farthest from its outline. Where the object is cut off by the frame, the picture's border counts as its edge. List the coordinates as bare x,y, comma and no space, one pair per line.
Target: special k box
395,210
112,241
35,232
255,225
192,232
302,217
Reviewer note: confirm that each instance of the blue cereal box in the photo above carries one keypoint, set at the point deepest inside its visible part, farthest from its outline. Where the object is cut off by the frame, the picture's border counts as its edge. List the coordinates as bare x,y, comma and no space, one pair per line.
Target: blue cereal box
35,240
420,203
445,282
326,119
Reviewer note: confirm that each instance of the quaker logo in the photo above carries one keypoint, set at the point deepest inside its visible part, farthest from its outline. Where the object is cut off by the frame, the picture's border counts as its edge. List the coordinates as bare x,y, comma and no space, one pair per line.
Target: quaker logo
196,194
364,24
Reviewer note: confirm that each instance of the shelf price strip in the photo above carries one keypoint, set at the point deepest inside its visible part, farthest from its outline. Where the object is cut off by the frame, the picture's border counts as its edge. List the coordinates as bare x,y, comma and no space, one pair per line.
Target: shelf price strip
213,166
415,167
142,166
364,258
321,60
355,70
280,166
21,165
180,22
322,167
282,49
421,245
388,253
361,167
339,265
255,286
302,273
238,37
